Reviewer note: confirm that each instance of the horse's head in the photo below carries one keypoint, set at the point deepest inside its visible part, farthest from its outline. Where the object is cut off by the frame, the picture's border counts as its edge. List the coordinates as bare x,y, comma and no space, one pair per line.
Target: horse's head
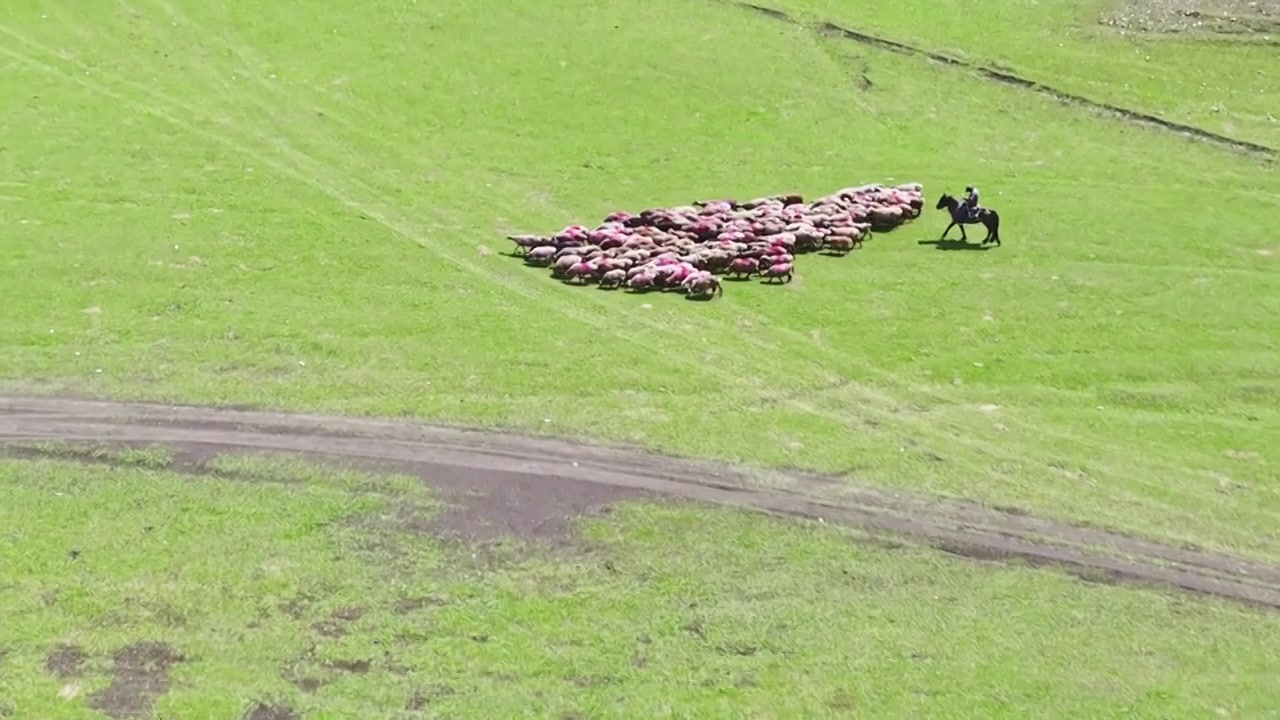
944,201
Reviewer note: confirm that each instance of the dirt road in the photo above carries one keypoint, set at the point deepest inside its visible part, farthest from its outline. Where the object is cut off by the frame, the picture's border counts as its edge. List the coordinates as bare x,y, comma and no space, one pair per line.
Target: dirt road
534,472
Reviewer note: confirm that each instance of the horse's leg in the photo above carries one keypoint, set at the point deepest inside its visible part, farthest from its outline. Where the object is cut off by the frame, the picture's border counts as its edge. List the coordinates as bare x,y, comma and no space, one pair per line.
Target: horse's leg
944,232
964,237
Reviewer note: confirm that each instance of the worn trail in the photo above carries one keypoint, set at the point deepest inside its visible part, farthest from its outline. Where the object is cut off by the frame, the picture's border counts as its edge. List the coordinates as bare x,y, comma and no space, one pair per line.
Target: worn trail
495,459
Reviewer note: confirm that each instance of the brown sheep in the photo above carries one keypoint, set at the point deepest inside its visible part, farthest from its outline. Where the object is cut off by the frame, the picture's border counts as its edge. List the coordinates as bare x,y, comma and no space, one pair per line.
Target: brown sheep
841,243
704,285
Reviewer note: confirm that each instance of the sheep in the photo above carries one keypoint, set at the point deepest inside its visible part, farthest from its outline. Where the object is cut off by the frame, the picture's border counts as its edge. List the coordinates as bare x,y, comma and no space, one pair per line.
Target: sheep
525,243
582,272
641,282
841,243
744,267
777,272
540,256
704,285
613,279
679,247
716,261
563,264
648,267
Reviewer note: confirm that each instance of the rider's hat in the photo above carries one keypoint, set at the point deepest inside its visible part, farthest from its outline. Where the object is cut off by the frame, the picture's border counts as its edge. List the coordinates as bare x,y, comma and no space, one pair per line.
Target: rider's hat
968,188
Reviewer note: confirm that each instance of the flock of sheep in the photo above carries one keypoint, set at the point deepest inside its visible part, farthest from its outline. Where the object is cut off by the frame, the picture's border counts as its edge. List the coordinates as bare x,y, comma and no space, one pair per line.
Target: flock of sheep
687,248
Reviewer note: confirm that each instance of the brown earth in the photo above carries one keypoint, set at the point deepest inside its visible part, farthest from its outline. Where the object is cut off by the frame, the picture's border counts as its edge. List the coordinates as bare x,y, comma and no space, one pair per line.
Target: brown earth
140,675
532,486
263,711
65,661
1230,17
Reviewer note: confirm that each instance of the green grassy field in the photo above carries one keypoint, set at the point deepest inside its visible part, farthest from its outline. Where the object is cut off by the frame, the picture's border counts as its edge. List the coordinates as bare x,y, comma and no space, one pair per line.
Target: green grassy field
1227,85
216,202
303,207
276,589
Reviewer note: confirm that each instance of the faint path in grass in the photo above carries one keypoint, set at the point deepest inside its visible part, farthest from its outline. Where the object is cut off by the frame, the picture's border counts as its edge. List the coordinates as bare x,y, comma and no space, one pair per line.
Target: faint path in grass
828,29
319,163
967,529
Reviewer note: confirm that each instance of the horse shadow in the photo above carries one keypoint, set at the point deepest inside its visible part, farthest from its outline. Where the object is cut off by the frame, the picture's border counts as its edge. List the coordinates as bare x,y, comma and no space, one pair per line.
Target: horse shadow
954,245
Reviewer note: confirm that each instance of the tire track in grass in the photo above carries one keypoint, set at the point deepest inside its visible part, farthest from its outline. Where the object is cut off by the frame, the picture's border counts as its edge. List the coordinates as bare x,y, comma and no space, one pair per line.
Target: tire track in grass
883,412
868,394
743,386
827,28
308,171
960,528
249,58
842,419
796,404
918,428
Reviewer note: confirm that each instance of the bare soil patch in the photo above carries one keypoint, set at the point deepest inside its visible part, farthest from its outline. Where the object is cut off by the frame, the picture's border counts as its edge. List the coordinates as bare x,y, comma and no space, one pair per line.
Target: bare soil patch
263,711
140,675
1229,17
65,661
533,487
489,506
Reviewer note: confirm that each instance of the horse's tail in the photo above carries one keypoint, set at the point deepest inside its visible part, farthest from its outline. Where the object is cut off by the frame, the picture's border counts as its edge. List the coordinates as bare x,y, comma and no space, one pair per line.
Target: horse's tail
995,226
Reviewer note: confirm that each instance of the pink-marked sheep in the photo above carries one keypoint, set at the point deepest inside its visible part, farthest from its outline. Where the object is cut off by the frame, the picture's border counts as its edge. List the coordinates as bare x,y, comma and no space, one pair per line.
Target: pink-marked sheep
703,285
781,272
582,272
641,282
744,267
563,263
687,246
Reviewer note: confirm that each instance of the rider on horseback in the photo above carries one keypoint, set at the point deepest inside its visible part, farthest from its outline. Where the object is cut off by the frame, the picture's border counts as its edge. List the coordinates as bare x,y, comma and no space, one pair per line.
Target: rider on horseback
971,202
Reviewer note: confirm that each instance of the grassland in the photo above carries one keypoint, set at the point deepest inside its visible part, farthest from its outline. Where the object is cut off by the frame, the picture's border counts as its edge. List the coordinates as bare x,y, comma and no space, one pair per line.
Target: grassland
1224,84
301,207
270,218
293,586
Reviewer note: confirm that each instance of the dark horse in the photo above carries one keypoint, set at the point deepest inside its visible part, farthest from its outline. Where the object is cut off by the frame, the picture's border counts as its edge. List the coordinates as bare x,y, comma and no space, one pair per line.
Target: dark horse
959,216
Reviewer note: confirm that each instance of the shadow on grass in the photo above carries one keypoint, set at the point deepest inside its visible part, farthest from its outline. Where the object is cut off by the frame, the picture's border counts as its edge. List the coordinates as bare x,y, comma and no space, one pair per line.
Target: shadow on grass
954,245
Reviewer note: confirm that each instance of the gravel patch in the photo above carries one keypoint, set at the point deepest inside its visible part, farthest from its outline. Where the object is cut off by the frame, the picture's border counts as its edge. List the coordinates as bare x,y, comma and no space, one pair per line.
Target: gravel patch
1230,17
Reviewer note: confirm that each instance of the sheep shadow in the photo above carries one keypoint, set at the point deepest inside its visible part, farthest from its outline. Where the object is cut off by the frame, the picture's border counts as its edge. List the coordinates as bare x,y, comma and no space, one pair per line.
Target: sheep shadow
736,278
954,245
698,298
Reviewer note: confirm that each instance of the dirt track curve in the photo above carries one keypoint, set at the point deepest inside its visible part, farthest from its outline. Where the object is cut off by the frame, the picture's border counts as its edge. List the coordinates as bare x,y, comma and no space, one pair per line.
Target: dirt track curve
494,460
